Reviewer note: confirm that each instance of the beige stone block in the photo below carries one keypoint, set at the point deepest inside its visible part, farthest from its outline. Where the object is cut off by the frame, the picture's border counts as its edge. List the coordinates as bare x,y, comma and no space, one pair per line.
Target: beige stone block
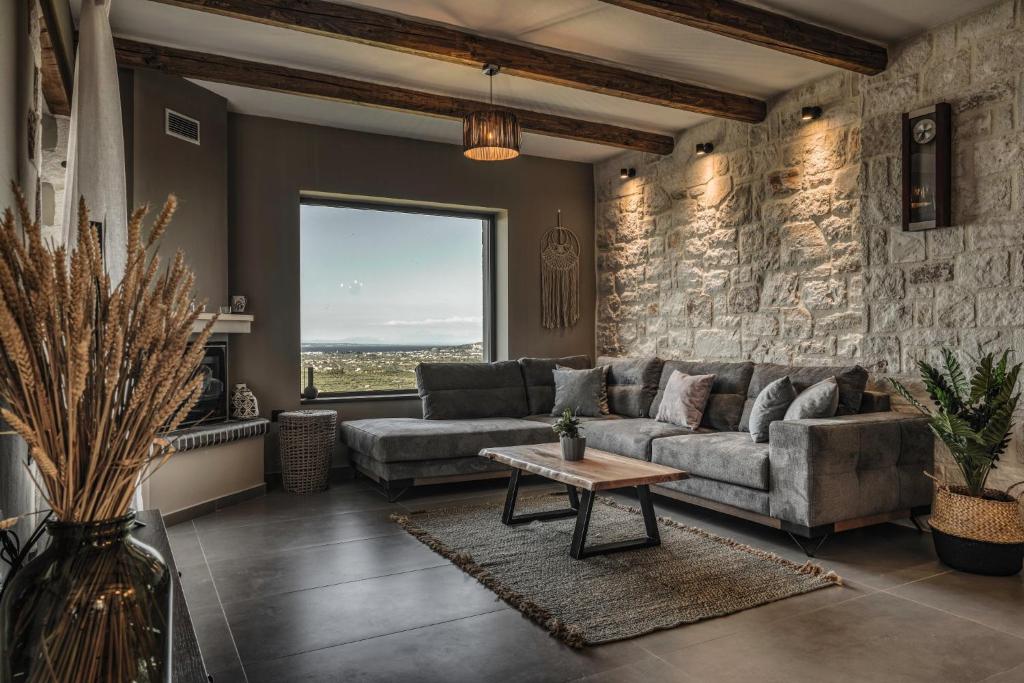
824,294
839,322
891,316
780,289
1001,307
944,242
797,323
984,269
906,247
954,307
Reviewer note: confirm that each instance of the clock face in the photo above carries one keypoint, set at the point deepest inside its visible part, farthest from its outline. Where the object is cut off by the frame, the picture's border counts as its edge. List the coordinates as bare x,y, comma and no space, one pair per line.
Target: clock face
924,131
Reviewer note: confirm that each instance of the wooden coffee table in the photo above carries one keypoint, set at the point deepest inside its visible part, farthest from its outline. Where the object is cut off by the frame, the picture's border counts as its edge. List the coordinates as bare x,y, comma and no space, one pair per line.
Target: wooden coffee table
598,471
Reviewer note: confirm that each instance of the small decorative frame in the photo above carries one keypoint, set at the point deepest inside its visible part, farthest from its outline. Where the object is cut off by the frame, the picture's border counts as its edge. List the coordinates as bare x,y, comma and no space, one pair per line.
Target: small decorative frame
927,168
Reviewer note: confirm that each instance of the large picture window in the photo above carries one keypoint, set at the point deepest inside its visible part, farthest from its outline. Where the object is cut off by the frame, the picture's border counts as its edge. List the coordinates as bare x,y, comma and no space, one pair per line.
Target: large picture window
384,288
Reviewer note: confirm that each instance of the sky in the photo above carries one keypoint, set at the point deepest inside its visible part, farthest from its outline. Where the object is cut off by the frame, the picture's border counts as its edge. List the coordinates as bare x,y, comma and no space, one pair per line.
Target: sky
370,276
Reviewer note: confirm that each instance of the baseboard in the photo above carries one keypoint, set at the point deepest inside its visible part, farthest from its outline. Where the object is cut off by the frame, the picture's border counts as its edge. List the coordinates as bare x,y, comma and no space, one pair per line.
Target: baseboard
208,506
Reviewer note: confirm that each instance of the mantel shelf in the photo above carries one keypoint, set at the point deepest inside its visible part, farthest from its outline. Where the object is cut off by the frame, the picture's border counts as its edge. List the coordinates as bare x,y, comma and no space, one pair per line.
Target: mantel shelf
227,323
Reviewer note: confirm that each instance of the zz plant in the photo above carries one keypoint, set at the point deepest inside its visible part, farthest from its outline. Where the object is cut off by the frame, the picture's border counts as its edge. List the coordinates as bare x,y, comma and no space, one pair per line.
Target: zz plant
973,418
568,425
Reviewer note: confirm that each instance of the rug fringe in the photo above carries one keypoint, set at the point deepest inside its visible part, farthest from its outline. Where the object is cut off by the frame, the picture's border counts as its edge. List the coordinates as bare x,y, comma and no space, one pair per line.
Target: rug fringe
808,567
570,634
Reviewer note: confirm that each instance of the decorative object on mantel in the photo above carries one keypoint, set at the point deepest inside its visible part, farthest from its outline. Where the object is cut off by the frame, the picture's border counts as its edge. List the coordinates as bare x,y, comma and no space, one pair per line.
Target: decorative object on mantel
928,168
238,303
975,529
243,403
93,377
490,134
559,277
307,444
310,392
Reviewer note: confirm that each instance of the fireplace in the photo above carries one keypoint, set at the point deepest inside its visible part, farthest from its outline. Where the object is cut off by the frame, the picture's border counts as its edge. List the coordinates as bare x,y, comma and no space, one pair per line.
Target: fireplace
212,405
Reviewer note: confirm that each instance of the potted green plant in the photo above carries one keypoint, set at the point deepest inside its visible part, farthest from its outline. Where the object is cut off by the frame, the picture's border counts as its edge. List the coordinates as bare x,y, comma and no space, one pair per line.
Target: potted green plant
568,430
974,528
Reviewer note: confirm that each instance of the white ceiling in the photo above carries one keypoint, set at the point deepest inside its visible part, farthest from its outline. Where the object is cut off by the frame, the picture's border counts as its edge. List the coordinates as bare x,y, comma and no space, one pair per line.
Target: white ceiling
588,27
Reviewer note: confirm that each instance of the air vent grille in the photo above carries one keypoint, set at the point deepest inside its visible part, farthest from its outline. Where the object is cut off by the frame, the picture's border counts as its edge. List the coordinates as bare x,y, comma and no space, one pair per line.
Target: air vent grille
181,126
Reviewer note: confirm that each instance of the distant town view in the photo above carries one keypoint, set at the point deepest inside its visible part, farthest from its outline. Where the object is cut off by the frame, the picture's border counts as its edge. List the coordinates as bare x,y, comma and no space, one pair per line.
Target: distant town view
385,290
366,367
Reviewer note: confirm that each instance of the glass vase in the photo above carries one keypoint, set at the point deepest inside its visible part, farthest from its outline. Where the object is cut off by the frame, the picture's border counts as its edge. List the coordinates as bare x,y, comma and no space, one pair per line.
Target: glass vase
94,606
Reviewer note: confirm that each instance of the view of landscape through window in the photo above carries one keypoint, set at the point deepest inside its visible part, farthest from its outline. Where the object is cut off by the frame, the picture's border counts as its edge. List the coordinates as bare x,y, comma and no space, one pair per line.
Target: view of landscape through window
383,290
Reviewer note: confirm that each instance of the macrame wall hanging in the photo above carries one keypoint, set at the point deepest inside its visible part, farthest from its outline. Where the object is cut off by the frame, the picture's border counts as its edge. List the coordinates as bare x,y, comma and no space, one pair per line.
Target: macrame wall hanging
559,277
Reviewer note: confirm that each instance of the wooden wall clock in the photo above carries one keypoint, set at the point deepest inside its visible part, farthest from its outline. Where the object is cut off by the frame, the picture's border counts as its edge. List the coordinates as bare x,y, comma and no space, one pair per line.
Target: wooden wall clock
927,168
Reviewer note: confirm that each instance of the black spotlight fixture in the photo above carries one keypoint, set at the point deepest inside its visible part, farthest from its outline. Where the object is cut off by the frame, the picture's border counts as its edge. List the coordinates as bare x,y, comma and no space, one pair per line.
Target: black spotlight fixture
704,148
625,173
810,113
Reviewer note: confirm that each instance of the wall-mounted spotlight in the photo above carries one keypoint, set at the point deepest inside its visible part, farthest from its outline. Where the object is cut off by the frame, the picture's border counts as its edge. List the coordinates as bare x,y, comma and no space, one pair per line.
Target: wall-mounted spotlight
704,148
810,113
627,173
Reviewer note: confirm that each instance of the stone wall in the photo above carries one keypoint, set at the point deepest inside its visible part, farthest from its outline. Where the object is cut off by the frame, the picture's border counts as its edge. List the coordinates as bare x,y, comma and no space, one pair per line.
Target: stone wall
784,245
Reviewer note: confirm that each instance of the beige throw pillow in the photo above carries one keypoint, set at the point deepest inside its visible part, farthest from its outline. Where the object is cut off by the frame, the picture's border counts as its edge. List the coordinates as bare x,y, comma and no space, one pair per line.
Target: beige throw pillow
685,398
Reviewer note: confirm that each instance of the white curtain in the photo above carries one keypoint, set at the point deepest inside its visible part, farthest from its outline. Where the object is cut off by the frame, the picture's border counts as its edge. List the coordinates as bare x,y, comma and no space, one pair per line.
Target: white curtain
96,168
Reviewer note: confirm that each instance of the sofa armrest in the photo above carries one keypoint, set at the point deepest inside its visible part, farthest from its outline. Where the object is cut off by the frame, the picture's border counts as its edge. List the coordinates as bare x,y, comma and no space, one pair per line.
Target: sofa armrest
843,468
875,402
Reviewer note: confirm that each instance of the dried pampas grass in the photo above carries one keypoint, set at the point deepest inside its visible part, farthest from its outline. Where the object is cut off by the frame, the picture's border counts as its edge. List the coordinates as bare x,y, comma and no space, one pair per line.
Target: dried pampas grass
91,376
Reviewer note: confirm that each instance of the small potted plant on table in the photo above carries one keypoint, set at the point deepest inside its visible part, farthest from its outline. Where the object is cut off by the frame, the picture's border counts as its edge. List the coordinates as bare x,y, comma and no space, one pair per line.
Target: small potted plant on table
974,528
568,430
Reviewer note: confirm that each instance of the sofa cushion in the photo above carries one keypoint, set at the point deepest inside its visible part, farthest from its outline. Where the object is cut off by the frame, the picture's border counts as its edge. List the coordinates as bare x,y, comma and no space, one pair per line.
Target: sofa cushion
540,384
851,379
725,404
405,439
685,398
552,419
770,405
454,391
730,457
632,383
581,392
630,437
815,402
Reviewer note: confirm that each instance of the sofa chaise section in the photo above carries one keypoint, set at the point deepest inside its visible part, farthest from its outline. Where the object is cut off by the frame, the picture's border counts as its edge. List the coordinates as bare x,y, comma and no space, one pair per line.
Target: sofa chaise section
395,451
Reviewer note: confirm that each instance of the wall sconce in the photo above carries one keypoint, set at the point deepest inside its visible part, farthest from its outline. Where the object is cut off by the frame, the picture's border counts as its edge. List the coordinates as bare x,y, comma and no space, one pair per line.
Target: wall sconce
810,113
625,173
704,148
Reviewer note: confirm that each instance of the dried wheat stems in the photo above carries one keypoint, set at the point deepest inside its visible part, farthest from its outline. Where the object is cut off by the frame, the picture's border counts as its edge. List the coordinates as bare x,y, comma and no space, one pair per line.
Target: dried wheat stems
90,375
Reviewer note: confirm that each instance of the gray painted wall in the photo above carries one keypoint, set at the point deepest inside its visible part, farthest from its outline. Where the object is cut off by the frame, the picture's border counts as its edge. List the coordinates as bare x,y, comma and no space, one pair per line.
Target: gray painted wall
160,165
273,161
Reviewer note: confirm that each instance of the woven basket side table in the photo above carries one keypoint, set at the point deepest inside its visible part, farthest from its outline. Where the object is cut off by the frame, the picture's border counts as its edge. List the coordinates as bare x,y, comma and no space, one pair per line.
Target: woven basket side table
307,443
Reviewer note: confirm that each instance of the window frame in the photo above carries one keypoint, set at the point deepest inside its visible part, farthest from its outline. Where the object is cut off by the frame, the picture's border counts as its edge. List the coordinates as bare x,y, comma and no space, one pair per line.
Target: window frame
489,235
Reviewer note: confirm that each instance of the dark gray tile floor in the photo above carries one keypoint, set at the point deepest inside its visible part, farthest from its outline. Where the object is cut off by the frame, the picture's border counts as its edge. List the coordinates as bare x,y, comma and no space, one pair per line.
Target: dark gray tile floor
326,588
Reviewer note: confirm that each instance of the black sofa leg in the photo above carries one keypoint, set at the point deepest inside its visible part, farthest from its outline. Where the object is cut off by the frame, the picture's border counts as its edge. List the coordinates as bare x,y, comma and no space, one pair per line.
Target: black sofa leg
810,546
393,490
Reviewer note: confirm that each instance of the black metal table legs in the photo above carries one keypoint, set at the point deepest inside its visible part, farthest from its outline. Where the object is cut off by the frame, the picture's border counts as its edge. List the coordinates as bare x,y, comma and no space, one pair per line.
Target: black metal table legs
508,515
581,506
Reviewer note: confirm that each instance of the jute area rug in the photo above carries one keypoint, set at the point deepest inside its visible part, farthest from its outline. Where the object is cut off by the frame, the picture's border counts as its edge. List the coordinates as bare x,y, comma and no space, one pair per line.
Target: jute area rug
693,575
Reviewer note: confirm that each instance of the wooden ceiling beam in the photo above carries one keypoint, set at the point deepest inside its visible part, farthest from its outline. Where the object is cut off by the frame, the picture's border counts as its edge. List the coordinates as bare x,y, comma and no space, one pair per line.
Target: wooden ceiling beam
438,41
57,65
262,76
768,29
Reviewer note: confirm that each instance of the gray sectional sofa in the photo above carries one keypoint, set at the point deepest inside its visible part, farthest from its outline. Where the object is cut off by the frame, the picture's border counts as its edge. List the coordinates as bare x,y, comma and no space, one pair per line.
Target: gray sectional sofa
813,477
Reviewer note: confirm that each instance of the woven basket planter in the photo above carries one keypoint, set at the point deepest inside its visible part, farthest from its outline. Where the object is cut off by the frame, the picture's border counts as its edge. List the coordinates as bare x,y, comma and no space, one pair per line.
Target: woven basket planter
979,535
307,443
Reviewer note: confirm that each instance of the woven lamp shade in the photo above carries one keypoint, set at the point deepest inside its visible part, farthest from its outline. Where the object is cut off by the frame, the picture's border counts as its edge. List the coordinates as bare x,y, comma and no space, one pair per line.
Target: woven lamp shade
490,135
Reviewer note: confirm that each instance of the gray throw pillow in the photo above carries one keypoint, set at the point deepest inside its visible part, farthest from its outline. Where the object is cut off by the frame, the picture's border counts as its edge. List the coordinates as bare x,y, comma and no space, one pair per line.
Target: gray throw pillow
684,399
604,385
817,400
581,391
771,405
